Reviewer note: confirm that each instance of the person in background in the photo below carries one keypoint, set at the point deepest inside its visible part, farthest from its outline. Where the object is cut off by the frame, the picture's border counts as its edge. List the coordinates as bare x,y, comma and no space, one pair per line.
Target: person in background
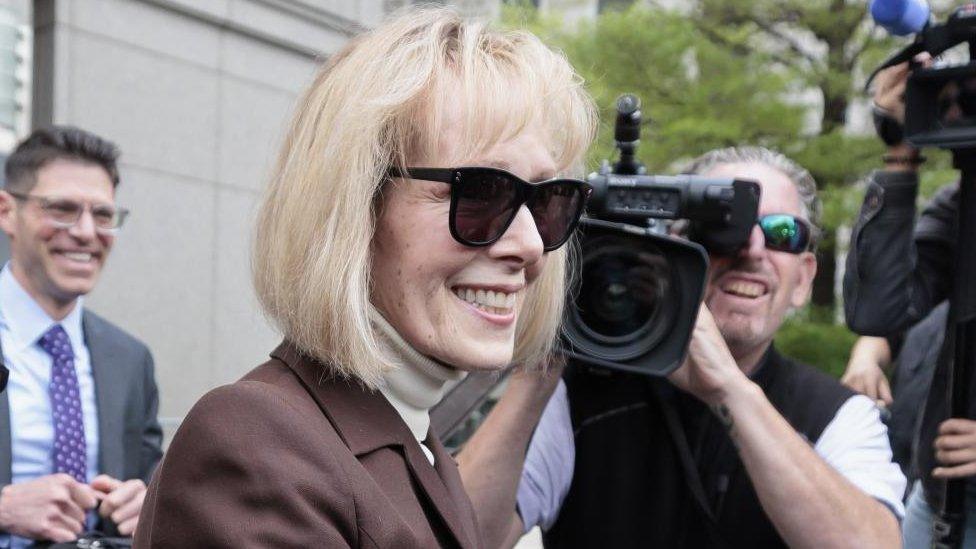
741,446
78,424
898,271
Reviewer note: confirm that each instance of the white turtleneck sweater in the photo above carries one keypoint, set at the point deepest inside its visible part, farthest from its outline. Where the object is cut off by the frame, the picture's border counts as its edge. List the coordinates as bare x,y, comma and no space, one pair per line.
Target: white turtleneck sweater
414,383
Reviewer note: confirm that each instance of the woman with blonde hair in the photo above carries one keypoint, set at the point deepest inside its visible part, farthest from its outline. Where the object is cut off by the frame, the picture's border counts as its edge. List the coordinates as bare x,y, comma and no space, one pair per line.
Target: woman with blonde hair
413,231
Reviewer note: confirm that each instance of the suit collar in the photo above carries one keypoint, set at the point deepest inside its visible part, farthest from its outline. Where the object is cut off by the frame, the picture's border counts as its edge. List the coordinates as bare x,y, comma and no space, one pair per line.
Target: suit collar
363,418
109,397
6,455
26,322
109,403
366,422
447,470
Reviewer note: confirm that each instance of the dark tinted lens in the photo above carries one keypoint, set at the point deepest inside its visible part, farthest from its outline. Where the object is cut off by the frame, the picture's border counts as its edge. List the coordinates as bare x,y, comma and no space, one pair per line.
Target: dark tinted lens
556,207
784,233
485,203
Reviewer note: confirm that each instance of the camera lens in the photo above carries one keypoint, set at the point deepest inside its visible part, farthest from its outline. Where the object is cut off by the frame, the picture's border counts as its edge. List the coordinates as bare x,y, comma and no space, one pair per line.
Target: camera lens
637,299
614,302
625,295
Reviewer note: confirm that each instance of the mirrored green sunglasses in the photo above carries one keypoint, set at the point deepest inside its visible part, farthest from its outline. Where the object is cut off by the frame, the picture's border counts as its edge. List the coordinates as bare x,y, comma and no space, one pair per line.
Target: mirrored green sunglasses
786,233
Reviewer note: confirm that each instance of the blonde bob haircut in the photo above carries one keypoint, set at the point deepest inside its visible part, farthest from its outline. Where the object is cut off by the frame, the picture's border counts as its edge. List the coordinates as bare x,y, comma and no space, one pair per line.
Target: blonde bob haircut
378,103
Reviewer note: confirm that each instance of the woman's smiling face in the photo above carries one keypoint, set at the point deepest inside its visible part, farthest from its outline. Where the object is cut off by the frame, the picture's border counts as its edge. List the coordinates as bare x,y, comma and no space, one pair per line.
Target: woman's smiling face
454,303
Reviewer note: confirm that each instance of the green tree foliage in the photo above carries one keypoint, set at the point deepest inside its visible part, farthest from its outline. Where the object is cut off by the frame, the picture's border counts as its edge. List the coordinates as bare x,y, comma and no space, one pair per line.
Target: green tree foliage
822,45
696,95
816,341
780,73
733,72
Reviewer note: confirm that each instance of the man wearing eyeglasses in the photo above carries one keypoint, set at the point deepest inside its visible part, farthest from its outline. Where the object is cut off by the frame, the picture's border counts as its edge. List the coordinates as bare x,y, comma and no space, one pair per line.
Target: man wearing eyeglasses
79,436
741,447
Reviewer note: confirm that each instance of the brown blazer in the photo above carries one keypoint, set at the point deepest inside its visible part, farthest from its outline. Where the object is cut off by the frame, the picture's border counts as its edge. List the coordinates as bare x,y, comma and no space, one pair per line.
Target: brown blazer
287,457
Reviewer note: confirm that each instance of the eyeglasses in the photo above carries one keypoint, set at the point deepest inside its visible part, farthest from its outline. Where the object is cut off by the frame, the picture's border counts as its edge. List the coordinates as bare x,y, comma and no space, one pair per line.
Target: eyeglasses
484,201
786,233
65,213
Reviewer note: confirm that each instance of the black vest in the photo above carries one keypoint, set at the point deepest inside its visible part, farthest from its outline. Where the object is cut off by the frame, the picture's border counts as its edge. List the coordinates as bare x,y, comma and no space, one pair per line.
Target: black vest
655,468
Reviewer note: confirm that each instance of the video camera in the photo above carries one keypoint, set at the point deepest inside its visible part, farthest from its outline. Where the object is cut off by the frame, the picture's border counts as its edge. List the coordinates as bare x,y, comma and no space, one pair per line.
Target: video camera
940,102
640,287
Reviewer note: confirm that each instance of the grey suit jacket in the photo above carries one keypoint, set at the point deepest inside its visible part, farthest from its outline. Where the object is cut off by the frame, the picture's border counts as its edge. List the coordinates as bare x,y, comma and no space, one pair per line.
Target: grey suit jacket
129,435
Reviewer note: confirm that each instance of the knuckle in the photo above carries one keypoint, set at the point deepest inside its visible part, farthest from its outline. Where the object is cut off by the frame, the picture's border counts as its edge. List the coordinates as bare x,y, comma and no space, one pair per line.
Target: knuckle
47,521
62,495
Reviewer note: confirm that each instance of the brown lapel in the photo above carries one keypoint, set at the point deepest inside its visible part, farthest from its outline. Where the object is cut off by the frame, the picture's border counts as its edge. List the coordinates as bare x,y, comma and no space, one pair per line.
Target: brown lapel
366,422
447,470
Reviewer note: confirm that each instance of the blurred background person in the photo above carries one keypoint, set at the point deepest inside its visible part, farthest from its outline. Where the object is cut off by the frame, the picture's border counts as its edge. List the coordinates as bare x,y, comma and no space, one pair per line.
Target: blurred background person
78,421
898,270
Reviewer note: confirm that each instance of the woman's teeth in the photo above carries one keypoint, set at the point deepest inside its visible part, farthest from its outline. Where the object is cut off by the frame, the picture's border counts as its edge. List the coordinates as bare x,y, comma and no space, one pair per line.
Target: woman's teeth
498,303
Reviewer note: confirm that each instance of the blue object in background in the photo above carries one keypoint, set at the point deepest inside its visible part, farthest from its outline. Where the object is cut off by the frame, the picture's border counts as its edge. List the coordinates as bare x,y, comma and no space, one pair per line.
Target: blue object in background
900,17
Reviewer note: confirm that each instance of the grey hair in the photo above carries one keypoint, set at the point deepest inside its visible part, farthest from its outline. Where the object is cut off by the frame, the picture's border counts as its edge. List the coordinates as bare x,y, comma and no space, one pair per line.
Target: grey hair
800,176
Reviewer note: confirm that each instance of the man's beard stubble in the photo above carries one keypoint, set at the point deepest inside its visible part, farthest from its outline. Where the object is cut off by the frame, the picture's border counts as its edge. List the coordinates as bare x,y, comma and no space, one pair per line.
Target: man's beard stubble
745,333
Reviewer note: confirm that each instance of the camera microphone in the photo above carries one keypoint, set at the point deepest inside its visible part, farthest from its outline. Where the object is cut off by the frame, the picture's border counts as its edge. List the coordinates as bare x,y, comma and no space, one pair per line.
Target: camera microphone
901,17
626,133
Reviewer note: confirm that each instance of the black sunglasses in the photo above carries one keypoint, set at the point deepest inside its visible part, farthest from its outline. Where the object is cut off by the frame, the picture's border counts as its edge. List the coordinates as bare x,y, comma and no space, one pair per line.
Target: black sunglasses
484,201
785,233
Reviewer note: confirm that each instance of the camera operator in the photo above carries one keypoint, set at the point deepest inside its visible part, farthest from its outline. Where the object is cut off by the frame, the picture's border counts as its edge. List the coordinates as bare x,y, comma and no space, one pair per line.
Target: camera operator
897,271
744,447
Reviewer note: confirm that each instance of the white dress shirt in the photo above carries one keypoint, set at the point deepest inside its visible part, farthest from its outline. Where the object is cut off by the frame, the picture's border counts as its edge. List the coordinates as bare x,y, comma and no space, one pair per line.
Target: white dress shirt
22,323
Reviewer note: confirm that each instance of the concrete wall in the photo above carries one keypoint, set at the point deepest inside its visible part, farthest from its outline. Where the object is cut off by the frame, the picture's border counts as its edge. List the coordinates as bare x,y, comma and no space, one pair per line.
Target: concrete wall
196,93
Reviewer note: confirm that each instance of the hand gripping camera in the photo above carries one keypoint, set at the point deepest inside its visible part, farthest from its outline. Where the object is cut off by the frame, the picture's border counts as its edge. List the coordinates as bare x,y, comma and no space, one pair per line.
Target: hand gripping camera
640,287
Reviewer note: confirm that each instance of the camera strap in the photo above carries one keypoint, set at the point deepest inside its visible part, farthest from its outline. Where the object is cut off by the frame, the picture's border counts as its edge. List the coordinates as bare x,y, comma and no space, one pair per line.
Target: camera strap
905,54
689,467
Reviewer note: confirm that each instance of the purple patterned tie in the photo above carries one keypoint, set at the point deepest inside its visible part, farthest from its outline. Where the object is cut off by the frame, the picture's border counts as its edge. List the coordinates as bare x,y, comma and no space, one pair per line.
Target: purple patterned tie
69,451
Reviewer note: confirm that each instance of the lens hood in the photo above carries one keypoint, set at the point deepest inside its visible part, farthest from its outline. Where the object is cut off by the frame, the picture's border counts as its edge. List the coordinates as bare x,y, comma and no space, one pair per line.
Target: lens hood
637,298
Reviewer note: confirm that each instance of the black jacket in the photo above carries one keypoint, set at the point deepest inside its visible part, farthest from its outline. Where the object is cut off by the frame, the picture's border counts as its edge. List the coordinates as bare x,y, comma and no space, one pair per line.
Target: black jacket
897,271
913,370
654,468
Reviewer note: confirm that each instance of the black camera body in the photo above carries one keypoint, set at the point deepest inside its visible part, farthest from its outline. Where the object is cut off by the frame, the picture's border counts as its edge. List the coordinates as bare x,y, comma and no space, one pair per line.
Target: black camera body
721,211
940,107
640,287
940,102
